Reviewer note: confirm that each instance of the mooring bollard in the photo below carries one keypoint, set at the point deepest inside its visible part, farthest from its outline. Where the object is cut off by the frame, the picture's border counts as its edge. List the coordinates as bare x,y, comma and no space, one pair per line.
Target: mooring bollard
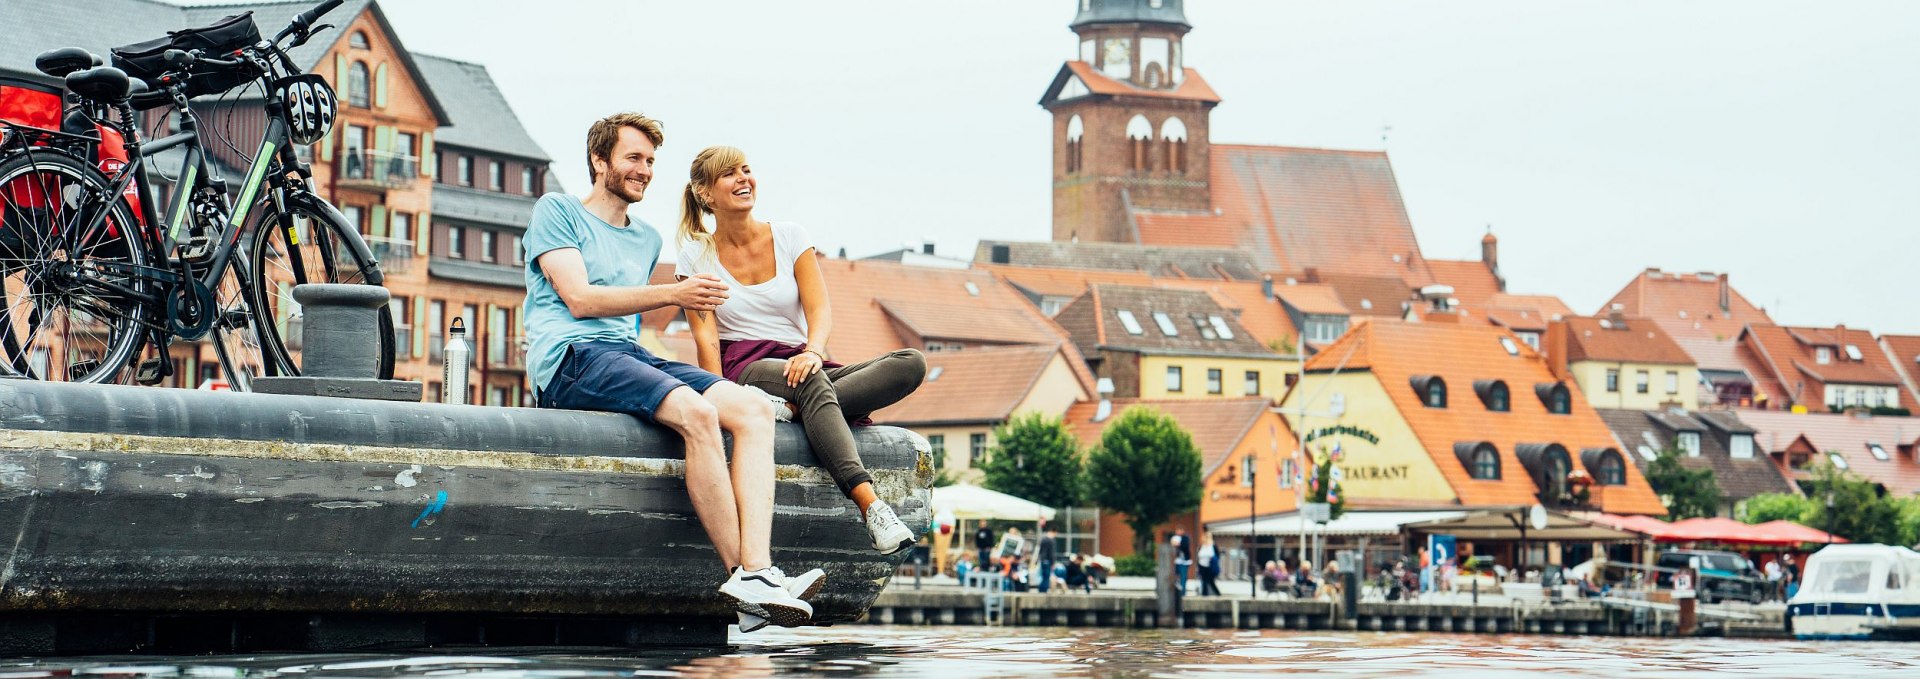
338,344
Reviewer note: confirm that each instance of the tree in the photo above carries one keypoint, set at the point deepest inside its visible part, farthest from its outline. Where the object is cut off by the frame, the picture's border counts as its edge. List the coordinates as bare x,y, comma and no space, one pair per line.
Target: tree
1146,468
1036,458
1778,507
1858,512
1688,493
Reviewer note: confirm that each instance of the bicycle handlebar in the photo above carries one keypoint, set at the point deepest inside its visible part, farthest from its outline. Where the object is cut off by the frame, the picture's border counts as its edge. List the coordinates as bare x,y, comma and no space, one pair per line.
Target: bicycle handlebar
304,20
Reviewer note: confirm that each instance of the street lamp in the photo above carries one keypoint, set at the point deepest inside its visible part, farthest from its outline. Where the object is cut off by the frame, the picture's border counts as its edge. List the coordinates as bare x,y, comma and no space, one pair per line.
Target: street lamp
1829,516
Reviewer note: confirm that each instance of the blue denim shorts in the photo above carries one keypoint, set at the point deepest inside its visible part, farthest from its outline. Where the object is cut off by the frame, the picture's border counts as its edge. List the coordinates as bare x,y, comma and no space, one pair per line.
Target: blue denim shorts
619,377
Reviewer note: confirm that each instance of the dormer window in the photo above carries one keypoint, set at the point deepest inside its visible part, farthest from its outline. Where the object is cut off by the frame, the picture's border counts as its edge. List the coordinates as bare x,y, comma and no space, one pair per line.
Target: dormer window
1431,389
1132,324
1494,395
1689,443
1822,355
1608,466
1480,458
1555,396
1741,446
1548,464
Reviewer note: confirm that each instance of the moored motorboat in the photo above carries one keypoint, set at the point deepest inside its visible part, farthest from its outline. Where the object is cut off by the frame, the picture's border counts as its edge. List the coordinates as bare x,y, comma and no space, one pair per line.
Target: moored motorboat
1861,591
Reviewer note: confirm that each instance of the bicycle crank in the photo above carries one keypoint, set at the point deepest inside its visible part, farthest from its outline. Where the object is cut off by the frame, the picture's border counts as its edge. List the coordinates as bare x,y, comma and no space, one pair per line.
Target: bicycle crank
191,310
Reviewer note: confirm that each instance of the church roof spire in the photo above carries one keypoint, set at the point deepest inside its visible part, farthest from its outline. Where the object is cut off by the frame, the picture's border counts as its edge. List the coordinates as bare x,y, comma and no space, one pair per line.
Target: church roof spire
1131,11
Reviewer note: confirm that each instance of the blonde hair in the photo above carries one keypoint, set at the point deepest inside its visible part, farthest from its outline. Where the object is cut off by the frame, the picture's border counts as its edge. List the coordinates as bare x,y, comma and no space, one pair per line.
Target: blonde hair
606,132
710,164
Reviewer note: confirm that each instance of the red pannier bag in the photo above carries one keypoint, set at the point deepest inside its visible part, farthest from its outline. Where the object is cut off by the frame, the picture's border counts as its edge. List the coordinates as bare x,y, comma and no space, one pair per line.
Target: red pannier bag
26,103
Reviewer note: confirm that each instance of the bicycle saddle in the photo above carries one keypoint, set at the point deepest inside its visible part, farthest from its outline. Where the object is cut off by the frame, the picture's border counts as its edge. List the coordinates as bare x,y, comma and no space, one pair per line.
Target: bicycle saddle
104,84
60,62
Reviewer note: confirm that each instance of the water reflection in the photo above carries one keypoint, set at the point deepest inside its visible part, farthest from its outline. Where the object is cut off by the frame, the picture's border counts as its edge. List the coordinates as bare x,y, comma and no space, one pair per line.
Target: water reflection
1052,652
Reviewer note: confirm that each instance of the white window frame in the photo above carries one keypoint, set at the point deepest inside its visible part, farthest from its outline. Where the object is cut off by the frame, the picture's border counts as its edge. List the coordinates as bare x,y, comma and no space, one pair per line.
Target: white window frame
1160,318
1689,442
1741,447
1176,379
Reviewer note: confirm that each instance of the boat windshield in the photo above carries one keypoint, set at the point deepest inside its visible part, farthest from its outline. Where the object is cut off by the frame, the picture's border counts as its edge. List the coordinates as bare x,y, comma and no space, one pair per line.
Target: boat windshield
1851,576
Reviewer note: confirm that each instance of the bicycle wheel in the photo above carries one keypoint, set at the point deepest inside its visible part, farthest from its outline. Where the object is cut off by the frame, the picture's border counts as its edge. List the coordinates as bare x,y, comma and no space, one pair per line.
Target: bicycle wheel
64,316
330,251
236,339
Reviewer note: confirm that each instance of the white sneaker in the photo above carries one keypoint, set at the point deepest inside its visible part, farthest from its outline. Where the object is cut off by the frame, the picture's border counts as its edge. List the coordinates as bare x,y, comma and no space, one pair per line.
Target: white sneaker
889,534
806,585
763,593
750,622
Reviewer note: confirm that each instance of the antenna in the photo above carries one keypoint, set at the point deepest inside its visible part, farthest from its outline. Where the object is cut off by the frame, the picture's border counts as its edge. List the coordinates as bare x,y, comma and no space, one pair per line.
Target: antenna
1385,130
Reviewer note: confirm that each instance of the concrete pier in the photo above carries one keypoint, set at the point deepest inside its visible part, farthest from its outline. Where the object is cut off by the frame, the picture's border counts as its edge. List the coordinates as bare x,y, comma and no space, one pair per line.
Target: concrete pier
136,519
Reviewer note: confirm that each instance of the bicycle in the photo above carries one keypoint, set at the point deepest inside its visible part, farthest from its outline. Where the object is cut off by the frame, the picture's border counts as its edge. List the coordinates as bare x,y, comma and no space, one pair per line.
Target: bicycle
94,274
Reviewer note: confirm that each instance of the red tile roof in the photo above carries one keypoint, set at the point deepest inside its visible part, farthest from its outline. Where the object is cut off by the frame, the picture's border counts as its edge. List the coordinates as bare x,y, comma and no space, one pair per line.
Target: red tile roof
1546,306
864,328
1192,86
1061,282
1299,208
1217,425
1382,296
1847,435
1634,340
1460,354
972,386
1472,281
1312,298
1788,357
1904,352
1687,305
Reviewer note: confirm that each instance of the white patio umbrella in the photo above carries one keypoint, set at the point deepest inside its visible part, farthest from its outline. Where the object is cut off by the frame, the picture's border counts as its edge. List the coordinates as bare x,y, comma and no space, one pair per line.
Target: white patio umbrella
968,501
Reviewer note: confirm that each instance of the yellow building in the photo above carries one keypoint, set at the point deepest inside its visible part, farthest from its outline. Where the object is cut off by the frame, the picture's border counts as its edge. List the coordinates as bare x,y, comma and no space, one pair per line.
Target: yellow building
1169,344
1623,363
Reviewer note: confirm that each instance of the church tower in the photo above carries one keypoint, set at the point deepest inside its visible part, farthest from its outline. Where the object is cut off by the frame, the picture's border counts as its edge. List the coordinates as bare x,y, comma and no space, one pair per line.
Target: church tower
1129,121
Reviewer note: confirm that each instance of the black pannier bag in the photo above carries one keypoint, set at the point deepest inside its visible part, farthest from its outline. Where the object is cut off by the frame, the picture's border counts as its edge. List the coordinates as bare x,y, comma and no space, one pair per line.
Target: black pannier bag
143,59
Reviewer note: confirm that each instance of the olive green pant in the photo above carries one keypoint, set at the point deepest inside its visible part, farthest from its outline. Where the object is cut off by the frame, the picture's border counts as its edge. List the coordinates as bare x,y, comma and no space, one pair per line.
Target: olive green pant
830,399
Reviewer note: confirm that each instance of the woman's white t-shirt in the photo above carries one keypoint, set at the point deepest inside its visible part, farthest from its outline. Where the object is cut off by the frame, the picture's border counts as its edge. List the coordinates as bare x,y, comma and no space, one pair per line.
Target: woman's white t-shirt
767,311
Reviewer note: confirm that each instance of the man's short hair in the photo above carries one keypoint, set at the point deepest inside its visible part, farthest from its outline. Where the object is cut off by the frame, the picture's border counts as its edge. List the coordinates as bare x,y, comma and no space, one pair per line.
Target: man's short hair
606,132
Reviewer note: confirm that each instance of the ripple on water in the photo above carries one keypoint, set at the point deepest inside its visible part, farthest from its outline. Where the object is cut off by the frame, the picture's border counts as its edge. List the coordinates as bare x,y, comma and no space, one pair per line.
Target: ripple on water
1046,652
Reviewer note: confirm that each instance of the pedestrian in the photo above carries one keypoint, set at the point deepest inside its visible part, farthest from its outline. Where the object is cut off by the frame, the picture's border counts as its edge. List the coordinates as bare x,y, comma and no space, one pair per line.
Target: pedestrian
772,333
1049,546
983,545
587,271
1076,577
1182,557
1774,573
1792,576
1209,567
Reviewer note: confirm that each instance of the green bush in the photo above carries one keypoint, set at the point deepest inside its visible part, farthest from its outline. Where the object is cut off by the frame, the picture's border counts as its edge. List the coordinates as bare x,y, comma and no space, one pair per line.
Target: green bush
1133,565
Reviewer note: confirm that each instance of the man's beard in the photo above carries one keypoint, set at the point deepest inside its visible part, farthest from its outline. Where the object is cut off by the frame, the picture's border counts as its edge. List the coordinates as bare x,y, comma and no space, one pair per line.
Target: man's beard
618,187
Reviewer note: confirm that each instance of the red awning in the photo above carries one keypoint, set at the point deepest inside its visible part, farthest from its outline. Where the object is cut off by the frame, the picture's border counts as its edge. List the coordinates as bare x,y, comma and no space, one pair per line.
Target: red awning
1718,530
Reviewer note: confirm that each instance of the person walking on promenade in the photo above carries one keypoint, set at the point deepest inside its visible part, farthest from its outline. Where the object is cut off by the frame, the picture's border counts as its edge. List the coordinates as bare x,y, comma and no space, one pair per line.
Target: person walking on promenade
586,275
983,545
771,332
1045,553
1773,573
1182,557
1209,567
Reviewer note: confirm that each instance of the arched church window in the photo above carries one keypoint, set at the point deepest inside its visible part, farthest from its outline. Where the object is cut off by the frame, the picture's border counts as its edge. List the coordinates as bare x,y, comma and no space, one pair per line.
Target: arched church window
1075,130
1139,137
1174,134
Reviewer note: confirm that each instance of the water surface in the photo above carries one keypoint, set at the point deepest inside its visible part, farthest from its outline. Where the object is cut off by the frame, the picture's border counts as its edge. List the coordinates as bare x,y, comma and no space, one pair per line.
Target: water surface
1055,652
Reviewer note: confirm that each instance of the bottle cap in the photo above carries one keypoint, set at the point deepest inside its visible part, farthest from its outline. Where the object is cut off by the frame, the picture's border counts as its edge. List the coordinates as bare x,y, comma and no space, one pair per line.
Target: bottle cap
459,325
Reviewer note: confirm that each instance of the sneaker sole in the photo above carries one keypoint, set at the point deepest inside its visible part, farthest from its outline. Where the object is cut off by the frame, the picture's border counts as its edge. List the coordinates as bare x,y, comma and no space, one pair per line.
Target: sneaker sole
894,541
779,614
751,627
813,590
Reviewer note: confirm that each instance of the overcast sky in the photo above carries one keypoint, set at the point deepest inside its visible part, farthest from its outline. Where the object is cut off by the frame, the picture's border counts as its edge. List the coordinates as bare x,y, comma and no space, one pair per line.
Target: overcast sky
1774,140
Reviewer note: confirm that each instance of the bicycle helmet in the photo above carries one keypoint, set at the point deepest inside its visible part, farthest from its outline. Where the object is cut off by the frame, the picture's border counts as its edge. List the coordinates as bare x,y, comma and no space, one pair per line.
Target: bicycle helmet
310,107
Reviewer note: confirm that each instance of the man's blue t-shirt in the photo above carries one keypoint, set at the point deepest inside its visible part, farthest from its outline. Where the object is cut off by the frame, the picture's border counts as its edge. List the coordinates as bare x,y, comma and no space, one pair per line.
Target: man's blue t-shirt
615,256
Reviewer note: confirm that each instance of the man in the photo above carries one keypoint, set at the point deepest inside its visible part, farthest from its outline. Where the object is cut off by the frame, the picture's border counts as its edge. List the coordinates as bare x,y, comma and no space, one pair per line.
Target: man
983,543
587,270
1773,573
1049,546
1182,557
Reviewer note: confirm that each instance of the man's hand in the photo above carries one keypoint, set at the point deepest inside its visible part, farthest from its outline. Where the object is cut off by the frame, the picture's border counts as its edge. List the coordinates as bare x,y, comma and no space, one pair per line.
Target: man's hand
699,292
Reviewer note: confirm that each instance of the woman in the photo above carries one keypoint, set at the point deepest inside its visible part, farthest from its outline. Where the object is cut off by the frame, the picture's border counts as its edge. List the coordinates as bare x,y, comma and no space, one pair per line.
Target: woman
772,331
1209,567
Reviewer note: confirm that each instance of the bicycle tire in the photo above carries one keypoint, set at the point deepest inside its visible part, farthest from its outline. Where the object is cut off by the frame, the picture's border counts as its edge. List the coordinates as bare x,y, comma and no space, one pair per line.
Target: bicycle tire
41,194
331,251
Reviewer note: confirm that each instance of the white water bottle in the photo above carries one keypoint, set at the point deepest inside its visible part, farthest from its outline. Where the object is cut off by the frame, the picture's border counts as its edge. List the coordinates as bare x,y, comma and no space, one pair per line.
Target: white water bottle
457,357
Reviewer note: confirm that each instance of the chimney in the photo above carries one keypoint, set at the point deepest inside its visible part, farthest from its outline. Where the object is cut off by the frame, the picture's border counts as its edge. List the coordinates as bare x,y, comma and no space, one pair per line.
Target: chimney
1617,316
1002,254
1726,295
1490,250
1266,287
843,253
926,247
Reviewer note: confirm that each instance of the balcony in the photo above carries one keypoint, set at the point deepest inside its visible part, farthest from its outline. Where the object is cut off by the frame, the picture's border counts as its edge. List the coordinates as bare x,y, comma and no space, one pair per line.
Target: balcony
506,352
377,170
396,255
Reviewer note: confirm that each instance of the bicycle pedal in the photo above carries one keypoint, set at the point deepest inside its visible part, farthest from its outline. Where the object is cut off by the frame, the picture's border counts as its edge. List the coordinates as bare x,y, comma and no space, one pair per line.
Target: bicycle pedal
196,248
153,370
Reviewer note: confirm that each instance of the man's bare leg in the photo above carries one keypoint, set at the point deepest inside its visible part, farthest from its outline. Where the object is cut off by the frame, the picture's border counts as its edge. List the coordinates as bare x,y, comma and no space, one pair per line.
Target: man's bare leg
749,417
698,422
